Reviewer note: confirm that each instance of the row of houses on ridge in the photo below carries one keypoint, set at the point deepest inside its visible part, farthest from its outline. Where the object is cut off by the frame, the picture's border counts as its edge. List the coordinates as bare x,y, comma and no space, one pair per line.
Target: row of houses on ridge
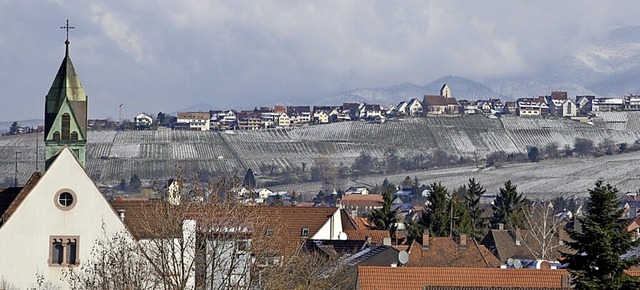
556,104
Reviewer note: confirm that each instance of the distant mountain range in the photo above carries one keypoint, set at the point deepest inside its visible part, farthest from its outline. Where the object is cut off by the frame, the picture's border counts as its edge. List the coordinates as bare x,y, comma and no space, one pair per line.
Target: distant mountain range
609,67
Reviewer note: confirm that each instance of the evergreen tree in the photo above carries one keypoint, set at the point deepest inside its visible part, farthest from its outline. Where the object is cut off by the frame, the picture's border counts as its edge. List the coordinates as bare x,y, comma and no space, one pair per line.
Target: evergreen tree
597,262
13,130
123,184
249,179
472,202
436,218
533,154
459,218
386,218
134,182
414,231
407,182
507,207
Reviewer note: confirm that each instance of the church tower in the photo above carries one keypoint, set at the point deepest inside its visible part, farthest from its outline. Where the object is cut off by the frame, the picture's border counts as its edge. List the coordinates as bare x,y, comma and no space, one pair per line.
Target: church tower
65,112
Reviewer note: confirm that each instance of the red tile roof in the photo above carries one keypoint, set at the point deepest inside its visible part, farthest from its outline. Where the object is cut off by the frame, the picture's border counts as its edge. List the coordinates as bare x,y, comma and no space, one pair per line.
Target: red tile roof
371,200
438,101
286,222
407,278
376,235
445,252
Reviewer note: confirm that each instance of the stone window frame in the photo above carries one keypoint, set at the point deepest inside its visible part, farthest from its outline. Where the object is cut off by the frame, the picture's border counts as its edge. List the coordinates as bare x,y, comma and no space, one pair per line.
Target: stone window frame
56,200
65,240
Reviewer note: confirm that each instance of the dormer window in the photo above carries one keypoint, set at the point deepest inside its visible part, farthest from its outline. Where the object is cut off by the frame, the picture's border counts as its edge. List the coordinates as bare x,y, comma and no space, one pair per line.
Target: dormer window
304,232
74,135
56,136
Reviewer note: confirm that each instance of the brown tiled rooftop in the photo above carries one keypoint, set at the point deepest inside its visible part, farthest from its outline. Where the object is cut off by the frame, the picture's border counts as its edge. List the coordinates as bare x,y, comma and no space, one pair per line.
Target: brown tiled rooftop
288,221
445,252
407,278
438,101
376,235
372,200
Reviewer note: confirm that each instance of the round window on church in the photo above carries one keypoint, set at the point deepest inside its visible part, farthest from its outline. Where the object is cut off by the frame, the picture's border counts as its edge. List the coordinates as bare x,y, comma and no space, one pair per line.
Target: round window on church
65,199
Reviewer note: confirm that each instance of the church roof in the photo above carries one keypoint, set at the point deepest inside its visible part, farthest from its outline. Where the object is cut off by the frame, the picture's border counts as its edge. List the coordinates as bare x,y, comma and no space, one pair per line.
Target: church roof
66,86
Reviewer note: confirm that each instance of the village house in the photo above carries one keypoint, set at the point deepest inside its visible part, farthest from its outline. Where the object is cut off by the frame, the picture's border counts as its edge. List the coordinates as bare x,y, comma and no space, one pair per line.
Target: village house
320,117
249,120
195,121
607,104
531,107
414,108
362,204
569,108
142,121
555,102
299,114
584,104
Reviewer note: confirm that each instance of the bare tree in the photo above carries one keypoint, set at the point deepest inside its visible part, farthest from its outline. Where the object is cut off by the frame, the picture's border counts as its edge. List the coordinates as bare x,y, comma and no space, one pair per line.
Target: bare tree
306,270
181,243
118,264
542,240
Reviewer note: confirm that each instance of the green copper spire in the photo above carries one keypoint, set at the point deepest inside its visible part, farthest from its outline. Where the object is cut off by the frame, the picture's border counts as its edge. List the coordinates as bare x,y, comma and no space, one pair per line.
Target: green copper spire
65,116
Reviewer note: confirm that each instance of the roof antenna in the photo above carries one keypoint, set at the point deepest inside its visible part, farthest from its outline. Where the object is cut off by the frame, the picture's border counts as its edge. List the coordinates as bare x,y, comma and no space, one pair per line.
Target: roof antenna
66,42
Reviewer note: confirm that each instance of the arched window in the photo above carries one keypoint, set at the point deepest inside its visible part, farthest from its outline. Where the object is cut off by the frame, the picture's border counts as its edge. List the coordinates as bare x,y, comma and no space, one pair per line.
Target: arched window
66,123
74,135
56,136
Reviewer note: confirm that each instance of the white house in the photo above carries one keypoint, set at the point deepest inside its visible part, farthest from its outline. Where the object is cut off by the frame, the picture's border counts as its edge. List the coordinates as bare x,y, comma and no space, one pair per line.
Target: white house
321,117
196,120
414,108
283,120
569,108
52,223
143,121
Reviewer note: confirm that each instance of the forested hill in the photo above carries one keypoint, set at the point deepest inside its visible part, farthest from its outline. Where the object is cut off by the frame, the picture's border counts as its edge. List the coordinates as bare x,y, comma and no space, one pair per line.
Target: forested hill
154,155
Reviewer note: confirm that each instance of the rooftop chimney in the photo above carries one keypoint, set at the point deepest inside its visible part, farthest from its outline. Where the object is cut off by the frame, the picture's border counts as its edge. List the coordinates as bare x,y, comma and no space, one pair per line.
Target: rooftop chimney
425,240
463,240
501,226
121,214
386,241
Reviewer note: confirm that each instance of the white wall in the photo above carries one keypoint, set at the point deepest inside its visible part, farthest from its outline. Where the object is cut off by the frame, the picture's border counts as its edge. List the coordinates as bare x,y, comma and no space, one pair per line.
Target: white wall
25,237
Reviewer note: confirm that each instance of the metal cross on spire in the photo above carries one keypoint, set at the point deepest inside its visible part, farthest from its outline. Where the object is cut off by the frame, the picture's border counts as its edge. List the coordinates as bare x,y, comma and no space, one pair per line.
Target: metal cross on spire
67,27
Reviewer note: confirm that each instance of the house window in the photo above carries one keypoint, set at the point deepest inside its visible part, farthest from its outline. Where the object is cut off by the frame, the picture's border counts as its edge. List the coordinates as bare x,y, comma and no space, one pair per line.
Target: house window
56,136
304,232
242,246
74,135
63,250
65,199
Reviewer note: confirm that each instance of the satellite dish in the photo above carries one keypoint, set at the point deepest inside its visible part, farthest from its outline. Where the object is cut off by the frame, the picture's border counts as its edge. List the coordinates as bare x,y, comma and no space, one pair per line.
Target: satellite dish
342,236
517,264
403,257
510,261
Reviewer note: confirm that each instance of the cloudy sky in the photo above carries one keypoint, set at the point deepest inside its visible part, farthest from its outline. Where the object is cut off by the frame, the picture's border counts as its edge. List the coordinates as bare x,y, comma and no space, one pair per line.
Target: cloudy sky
160,55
